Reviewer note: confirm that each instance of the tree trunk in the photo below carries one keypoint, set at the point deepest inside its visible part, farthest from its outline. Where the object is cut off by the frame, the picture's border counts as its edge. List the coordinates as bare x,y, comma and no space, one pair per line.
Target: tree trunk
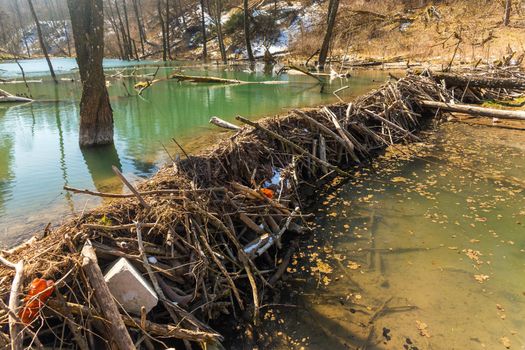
114,25
140,26
506,18
96,116
218,11
247,31
203,28
163,28
332,14
168,26
128,34
21,25
125,43
41,40
459,80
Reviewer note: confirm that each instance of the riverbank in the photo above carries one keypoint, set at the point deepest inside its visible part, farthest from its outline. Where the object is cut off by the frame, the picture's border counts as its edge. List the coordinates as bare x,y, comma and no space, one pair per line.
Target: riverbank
214,226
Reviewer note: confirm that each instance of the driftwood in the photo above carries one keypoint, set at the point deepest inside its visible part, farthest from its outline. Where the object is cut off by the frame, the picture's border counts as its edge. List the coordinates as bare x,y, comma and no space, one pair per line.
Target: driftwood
15,329
452,79
475,110
7,97
223,123
109,309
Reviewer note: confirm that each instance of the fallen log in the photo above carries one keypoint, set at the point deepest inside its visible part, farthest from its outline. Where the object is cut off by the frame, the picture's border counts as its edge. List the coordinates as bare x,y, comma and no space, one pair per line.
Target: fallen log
15,329
452,79
201,79
223,124
105,299
475,110
7,97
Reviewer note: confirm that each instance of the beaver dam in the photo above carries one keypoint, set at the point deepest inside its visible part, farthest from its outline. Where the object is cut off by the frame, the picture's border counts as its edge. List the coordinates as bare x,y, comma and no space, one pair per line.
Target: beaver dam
211,235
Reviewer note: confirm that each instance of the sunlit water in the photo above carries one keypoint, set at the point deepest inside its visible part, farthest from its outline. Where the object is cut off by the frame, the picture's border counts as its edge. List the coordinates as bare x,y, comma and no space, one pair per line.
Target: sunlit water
39,151
429,238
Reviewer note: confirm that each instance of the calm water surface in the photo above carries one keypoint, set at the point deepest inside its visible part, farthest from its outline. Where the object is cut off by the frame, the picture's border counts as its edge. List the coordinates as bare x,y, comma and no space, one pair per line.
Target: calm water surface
427,247
39,153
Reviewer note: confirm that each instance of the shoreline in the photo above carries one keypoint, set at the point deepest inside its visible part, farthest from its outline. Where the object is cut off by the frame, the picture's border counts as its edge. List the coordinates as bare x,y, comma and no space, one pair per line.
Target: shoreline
213,200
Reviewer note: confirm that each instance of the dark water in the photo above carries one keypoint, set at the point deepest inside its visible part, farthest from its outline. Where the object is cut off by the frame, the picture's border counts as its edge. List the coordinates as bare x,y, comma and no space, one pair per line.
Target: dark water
39,153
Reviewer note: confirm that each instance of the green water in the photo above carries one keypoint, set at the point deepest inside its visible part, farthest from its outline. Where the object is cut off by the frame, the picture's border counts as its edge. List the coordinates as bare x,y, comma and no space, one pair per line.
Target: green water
434,241
39,153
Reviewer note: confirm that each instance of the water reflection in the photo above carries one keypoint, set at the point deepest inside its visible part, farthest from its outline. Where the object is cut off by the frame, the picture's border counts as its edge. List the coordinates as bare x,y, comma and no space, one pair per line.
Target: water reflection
39,145
99,162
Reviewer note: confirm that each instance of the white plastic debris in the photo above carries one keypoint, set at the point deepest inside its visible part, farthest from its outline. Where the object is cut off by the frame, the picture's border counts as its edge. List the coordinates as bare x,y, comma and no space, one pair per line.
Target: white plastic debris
129,288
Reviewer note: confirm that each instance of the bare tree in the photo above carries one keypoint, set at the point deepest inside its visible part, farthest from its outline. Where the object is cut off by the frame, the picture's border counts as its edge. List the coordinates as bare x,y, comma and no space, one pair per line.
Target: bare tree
216,11
96,115
41,40
163,28
508,7
140,26
332,14
203,25
168,23
21,25
247,31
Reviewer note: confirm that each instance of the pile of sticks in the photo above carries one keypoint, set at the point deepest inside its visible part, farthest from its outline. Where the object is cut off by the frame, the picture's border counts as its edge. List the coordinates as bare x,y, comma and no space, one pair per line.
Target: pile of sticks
211,232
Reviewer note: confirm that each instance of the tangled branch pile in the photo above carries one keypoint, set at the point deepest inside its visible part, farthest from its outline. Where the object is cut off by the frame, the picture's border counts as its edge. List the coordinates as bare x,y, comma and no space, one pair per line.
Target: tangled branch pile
210,232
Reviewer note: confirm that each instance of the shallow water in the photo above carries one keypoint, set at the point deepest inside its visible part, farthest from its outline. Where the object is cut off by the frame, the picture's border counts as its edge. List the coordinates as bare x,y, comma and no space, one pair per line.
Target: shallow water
39,153
429,245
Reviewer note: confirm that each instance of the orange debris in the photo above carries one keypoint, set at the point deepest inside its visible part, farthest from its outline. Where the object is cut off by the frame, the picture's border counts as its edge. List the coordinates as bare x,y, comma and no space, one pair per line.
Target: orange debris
39,291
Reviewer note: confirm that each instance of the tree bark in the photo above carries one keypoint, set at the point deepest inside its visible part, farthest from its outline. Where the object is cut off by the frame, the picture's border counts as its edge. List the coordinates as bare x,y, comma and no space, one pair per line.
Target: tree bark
142,34
96,116
113,23
128,33
460,80
218,11
41,40
168,20
203,29
332,14
104,298
163,28
247,31
123,35
506,18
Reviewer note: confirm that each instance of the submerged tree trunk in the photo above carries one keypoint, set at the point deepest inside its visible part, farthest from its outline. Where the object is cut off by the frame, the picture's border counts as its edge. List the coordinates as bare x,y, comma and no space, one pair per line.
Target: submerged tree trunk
96,116
332,14
163,28
247,31
41,40
506,18
203,28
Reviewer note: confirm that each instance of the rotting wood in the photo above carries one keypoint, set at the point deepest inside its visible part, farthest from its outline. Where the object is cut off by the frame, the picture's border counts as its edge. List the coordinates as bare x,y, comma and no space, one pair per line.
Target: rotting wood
105,299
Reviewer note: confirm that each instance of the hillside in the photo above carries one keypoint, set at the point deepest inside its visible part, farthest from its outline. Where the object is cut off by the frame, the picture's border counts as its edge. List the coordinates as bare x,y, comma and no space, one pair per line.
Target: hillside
432,31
